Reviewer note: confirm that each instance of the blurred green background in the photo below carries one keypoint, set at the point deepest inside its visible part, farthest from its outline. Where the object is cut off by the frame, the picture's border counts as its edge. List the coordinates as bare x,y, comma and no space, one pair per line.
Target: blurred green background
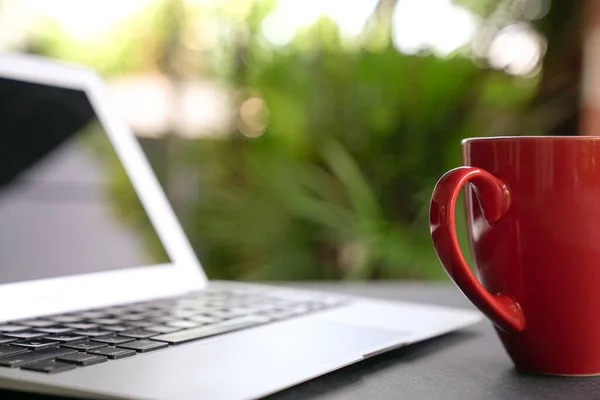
302,139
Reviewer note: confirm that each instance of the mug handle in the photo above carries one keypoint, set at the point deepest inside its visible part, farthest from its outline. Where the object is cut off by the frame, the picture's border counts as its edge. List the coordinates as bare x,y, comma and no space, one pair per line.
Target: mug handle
494,198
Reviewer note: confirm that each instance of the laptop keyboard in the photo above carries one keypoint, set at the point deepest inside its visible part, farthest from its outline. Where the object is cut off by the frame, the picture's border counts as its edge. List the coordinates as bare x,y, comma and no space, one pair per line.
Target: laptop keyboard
59,343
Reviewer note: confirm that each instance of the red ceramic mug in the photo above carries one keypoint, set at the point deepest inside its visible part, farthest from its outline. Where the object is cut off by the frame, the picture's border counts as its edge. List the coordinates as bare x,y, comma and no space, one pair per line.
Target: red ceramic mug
533,217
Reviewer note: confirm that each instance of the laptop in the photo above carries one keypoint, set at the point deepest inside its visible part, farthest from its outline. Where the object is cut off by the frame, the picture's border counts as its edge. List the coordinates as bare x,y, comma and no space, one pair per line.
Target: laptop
105,298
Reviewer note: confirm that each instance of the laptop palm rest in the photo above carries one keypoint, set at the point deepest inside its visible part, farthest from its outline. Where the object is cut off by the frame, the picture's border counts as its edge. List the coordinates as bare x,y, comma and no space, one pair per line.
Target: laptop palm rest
313,341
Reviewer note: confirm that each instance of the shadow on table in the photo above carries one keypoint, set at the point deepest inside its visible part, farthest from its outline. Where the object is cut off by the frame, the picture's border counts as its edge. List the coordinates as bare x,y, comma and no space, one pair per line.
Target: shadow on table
327,384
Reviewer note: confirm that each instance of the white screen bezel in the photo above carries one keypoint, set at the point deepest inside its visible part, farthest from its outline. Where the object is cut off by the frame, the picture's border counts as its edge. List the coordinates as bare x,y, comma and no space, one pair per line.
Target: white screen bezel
76,292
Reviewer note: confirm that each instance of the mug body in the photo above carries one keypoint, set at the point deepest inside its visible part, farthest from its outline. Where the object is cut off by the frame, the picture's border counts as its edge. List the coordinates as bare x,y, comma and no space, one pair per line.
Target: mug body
545,251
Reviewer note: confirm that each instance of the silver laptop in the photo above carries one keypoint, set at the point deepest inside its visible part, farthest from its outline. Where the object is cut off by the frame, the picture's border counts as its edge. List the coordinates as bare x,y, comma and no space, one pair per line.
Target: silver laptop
95,304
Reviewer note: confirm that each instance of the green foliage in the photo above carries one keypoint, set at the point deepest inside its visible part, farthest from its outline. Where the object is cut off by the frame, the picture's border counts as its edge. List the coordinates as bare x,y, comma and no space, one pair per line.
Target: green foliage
338,186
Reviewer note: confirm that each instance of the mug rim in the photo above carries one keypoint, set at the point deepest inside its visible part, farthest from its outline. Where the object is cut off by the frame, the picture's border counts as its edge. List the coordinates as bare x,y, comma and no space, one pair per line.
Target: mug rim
531,138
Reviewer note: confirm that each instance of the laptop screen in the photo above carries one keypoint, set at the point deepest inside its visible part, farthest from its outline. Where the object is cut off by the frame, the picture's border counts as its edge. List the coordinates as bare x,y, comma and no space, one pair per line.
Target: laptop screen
67,206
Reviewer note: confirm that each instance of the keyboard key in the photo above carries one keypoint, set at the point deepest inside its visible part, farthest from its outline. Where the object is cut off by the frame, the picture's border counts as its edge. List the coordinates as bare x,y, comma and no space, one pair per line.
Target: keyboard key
211,330
261,308
132,317
106,321
84,345
13,328
93,333
155,313
194,305
136,308
114,353
184,302
162,329
114,311
166,318
54,329
139,324
91,314
138,334
25,334
65,337
29,357
82,359
183,313
204,309
64,319
82,326
228,314
162,305
37,323
36,344
10,350
112,339
143,346
117,328
6,339
49,366
218,306
182,324
203,319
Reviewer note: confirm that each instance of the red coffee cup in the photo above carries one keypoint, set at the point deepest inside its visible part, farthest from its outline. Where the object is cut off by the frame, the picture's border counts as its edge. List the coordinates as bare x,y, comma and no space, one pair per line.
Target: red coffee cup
533,217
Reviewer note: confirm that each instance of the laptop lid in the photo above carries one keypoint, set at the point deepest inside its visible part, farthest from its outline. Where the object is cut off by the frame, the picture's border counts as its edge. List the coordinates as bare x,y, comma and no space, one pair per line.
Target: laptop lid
83,220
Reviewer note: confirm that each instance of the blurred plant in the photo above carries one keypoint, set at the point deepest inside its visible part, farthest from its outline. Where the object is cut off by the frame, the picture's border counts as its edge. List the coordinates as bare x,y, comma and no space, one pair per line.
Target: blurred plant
338,141
338,184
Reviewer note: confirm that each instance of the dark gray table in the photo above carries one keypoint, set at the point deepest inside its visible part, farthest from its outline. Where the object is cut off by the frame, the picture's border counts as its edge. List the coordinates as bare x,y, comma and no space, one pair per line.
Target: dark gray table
468,364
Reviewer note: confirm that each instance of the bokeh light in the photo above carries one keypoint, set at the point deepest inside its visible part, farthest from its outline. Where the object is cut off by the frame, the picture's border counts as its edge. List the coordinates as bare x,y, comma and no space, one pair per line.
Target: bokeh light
517,49
289,16
254,117
435,25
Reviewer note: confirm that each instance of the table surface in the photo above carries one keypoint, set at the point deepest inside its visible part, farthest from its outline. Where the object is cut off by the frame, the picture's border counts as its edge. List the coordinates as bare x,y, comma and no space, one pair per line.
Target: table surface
467,364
